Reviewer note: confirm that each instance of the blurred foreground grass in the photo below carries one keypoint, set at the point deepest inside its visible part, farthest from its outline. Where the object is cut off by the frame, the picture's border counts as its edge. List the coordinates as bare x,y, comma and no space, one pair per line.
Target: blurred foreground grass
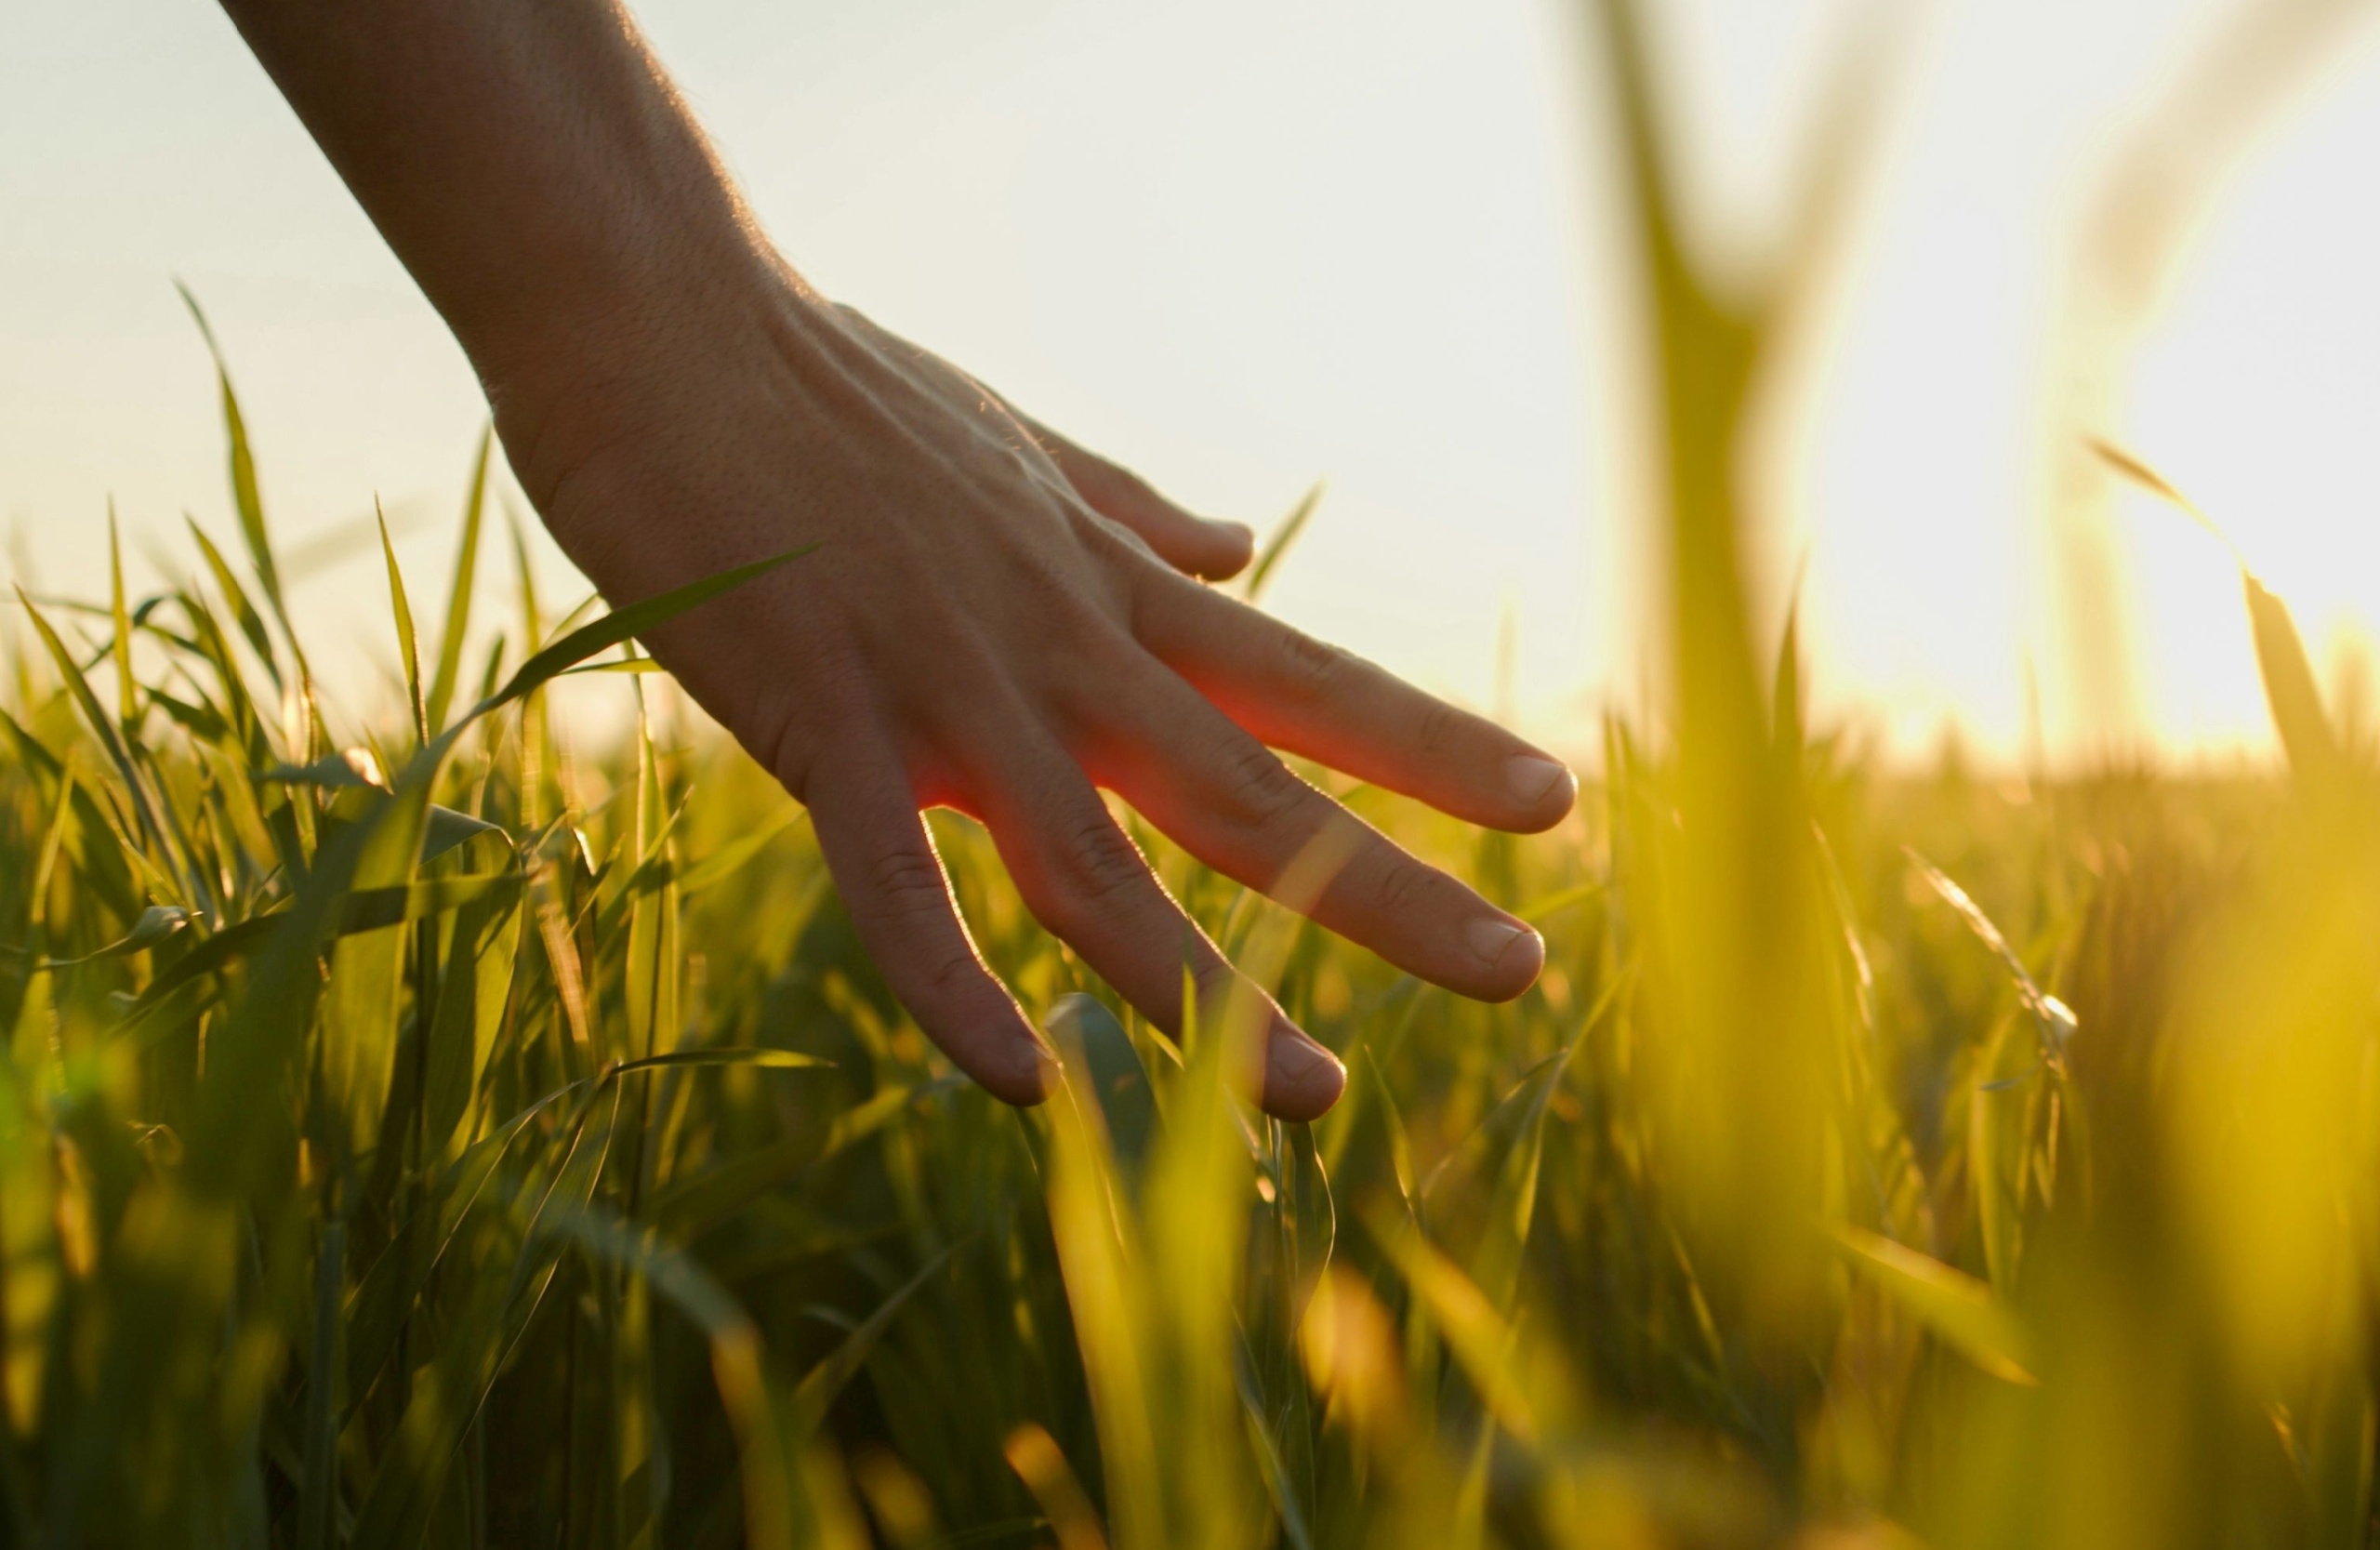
412,1133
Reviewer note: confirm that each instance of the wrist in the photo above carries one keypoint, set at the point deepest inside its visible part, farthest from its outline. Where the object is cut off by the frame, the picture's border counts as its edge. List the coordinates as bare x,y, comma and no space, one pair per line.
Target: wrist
640,360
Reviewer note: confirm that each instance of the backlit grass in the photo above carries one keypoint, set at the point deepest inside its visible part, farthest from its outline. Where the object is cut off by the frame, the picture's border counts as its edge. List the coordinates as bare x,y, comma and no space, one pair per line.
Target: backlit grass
412,1134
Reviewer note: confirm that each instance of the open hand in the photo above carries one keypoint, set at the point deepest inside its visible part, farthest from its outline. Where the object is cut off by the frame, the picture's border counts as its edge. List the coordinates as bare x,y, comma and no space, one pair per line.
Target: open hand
999,622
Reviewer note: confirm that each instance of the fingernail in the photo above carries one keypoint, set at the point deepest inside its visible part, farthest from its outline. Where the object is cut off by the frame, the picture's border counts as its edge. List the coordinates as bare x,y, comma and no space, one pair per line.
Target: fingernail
1296,1056
1304,1079
1493,940
1531,775
1038,1066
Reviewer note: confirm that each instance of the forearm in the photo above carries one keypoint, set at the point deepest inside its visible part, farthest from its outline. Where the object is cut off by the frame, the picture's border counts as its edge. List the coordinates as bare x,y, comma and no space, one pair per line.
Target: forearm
526,159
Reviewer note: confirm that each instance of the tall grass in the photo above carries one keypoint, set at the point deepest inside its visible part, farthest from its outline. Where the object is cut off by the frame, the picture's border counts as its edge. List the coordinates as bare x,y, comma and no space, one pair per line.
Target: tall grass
414,1134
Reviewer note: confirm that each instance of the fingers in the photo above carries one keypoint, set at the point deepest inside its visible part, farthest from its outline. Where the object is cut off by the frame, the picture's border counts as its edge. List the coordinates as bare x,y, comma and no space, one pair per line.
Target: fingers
1080,875
1195,546
893,886
1293,692
1225,799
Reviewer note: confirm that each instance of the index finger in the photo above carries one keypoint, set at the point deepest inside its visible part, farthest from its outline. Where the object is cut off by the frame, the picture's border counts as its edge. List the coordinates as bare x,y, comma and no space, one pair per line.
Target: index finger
1291,691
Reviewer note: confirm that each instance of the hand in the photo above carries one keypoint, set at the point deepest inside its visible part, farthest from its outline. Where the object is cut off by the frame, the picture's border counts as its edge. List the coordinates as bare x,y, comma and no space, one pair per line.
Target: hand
996,621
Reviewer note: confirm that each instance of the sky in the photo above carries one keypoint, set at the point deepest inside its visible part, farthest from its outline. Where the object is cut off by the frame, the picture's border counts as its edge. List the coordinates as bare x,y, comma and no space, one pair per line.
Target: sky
1244,246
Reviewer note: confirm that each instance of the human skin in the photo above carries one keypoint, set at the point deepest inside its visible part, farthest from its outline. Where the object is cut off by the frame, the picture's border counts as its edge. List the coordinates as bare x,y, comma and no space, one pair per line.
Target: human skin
992,620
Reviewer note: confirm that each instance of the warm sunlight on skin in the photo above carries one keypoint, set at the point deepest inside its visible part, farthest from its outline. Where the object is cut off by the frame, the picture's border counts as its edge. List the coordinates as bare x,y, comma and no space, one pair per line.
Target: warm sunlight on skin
1246,246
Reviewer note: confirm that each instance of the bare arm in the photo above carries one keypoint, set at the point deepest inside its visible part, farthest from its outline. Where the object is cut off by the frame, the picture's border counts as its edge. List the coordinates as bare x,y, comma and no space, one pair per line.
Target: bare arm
995,620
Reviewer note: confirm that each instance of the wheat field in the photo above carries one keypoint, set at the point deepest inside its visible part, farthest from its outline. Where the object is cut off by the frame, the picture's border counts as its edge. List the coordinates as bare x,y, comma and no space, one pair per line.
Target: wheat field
413,1131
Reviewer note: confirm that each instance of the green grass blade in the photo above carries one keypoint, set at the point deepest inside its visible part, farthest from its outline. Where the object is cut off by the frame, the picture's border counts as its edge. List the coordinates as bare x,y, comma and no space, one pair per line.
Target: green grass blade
629,665
448,828
408,644
251,622
318,1491
157,923
626,624
96,716
1283,537
246,498
127,697
762,1058
1480,1339
459,596
822,1383
1115,1075
1952,1303
727,859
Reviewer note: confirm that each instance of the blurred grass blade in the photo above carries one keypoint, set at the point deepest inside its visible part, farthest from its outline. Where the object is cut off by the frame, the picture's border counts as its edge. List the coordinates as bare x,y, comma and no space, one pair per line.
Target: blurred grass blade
2054,1018
1956,1307
157,923
1480,1339
127,699
1283,537
763,1059
1114,1073
376,909
447,829
1538,910
627,665
723,862
350,769
822,1383
96,716
2307,736
1036,1457
2306,732
318,1490
2157,485
1785,698
689,1208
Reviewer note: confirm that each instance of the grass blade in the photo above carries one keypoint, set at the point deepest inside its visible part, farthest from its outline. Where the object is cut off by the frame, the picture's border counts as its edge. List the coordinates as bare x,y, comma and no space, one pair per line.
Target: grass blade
2305,732
1952,1303
246,498
96,716
251,623
625,624
127,699
1283,537
822,1383
408,646
459,596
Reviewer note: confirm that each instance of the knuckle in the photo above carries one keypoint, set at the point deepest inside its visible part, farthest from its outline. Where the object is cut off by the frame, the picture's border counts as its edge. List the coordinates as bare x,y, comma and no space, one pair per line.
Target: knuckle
1260,787
1313,669
1439,727
910,882
1092,860
1214,982
1402,885
951,976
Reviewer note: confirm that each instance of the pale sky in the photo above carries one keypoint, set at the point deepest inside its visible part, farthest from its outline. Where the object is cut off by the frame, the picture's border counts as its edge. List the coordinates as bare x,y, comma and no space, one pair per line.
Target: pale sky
1244,245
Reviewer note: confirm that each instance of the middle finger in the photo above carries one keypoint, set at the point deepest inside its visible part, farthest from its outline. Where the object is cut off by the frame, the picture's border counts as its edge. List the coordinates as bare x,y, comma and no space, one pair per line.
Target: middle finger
1227,799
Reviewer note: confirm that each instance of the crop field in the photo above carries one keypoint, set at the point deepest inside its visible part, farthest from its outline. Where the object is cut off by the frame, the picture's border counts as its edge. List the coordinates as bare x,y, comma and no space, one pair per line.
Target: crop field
412,1136
417,1132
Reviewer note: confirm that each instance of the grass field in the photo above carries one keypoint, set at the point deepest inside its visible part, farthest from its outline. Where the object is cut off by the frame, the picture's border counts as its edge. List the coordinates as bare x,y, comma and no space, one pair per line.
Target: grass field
412,1133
